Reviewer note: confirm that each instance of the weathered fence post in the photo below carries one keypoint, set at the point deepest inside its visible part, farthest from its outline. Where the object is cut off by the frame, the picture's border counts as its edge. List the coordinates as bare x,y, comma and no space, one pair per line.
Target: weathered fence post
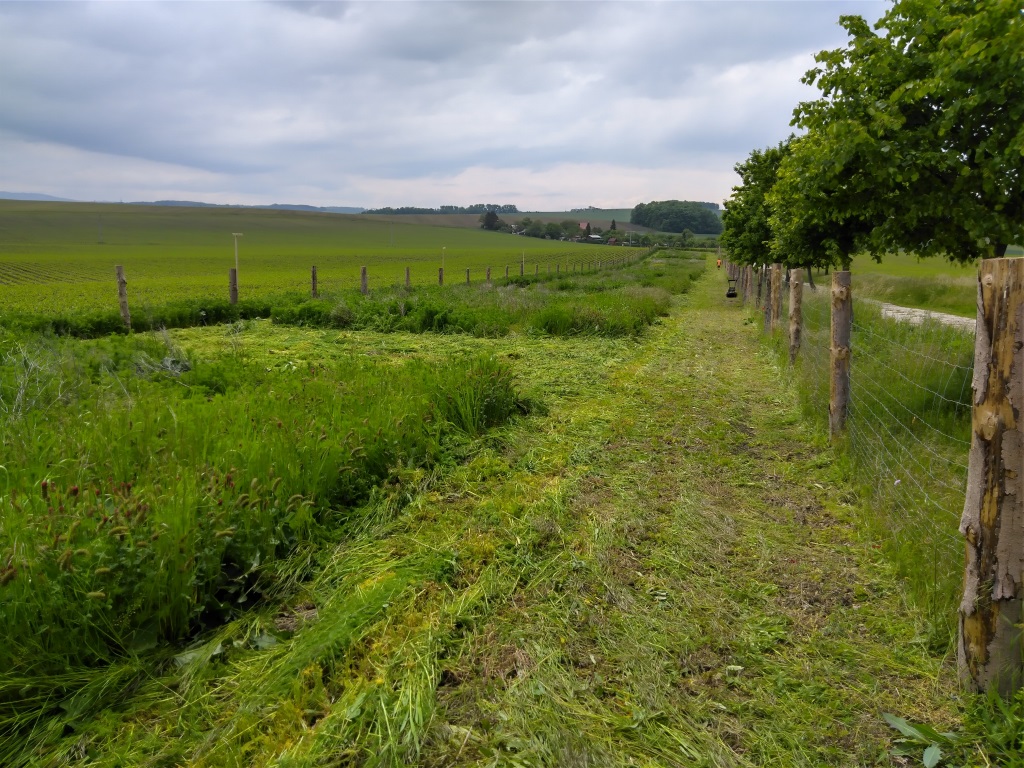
233,285
122,296
767,306
440,275
522,268
488,275
467,277
408,278
776,296
313,287
506,271
748,283
989,647
796,319
558,269
760,286
839,353
536,270
364,281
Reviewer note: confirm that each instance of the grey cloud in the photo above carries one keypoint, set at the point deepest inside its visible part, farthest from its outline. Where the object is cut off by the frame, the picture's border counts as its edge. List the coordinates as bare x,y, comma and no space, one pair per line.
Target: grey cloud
397,90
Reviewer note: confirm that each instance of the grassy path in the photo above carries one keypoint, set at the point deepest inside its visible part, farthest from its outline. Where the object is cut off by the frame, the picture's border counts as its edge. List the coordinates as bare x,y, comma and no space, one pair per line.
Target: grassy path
714,604
664,570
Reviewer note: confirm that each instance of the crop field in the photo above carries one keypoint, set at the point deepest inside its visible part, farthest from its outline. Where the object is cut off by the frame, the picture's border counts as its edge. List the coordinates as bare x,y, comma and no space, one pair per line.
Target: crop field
60,258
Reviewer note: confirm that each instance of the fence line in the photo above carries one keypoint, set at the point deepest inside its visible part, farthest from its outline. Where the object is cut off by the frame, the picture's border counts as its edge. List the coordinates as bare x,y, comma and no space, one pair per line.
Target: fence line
935,450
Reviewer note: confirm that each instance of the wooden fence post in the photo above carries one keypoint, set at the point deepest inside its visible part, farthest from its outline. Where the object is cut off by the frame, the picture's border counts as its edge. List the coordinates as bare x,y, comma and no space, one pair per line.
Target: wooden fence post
488,275
408,278
767,306
506,271
748,283
364,281
314,291
122,296
522,268
796,318
760,286
536,270
233,285
467,277
989,643
839,353
440,275
776,296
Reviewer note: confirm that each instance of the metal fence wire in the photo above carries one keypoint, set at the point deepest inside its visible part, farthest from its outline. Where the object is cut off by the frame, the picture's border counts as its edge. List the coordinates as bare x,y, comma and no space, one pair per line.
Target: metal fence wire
908,436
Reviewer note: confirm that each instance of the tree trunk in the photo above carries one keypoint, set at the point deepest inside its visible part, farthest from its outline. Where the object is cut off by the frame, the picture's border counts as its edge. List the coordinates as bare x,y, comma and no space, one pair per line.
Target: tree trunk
989,648
776,296
810,279
839,353
796,295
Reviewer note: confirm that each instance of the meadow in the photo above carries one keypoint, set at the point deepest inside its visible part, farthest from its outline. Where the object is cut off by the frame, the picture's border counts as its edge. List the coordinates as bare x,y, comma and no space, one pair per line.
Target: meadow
59,258
560,519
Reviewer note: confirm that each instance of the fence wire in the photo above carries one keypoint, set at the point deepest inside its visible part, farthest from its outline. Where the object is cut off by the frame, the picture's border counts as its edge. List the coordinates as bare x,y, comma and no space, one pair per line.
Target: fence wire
908,435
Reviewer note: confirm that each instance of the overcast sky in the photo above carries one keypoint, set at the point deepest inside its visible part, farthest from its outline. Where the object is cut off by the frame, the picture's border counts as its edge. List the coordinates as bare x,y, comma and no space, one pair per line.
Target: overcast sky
547,105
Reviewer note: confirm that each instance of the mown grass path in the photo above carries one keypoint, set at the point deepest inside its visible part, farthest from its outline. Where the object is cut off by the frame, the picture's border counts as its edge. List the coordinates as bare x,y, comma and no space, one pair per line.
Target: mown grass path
715,604
664,570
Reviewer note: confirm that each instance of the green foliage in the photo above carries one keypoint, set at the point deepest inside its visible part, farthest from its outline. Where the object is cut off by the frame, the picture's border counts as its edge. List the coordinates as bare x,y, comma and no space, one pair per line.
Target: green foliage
677,215
746,231
915,142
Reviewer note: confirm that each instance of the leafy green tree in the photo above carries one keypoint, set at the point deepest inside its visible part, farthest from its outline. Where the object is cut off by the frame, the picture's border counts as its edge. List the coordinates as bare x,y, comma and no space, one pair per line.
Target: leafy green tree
489,220
553,230
918,132
746,230
613,227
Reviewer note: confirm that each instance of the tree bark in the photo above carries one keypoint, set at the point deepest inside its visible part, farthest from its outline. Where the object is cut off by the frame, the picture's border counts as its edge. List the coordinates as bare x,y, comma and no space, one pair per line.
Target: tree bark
839,353
796,294
776,297
989,647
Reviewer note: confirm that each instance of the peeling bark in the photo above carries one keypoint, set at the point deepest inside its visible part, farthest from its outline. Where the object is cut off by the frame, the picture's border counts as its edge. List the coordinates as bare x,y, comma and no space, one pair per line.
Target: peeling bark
989,648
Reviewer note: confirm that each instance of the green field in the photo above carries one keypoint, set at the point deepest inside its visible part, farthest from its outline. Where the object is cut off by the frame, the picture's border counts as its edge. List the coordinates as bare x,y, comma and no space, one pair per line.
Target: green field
60,257
908,281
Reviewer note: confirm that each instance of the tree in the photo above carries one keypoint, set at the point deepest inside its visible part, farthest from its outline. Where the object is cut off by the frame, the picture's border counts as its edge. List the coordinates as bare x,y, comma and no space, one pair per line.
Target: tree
746,230
489,220
920,122
677,215
613,225
553,230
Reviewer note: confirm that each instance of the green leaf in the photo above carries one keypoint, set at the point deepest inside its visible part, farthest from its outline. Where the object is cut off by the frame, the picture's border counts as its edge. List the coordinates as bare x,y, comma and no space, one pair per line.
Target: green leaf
905,728
932,756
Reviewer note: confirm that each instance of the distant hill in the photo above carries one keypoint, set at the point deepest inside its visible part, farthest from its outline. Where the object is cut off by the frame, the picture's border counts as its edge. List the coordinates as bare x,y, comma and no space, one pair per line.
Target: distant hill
34,197
38,198
272,206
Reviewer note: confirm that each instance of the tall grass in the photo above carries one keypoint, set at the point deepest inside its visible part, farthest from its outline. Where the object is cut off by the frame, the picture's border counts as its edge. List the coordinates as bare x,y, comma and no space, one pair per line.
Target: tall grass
140,495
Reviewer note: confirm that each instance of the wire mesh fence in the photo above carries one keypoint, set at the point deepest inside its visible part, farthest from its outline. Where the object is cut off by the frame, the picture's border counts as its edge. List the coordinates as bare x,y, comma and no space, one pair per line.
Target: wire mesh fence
908,436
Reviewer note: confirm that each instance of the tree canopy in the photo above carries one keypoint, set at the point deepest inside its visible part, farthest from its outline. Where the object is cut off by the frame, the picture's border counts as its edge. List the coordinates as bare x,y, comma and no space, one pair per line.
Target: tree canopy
917,140
677,215
746,231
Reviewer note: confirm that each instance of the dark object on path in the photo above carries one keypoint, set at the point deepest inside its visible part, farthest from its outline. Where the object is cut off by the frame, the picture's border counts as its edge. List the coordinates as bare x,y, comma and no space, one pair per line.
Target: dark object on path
731,292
